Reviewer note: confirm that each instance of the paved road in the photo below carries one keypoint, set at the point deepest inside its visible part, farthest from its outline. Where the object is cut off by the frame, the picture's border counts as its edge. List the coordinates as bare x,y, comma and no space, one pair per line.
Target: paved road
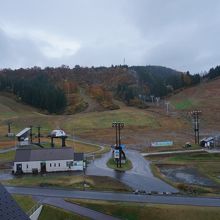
139,177
61,203
112,196
172,152
7,150
212,151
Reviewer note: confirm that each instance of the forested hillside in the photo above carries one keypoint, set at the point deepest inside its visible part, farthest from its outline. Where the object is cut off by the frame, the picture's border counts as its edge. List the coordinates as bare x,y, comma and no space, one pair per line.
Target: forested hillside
71,90
36,91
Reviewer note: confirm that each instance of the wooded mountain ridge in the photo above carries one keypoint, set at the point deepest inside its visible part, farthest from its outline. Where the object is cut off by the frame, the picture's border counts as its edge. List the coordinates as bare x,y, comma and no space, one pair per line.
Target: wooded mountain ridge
71,90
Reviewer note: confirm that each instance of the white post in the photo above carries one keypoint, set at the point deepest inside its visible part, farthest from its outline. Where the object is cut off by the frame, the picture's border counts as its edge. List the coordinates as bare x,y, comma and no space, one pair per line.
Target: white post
167,107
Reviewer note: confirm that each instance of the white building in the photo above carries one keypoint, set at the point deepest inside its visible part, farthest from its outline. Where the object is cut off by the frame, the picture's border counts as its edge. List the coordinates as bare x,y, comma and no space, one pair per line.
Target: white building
23,137
47,160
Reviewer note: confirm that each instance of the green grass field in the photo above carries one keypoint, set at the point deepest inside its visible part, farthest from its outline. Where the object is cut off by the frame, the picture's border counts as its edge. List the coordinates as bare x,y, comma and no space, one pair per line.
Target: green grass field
184,105
95,126
76,145
25,202
53,213
7,157
104,119
112,164
137,211
70,182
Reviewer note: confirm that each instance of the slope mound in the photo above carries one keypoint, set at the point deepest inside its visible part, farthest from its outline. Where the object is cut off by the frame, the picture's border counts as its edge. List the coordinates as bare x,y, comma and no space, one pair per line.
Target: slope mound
205,97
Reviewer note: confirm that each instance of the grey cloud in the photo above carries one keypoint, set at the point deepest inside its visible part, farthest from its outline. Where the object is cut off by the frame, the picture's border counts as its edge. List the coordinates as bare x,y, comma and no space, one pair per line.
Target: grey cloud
18,52
182,34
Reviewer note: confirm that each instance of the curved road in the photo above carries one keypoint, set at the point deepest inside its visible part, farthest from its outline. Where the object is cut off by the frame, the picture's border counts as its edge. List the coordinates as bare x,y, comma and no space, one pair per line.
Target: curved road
139,177
112,196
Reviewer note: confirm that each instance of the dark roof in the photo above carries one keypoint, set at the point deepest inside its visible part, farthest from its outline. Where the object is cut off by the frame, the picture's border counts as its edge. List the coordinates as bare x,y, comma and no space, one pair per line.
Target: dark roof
9,209
43,154
78,156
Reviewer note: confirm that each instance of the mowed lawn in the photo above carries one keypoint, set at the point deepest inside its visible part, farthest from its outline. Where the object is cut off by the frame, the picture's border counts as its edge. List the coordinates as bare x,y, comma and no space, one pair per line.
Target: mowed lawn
76,145
53,213
7,157
97,126
101,120
70,181
141,211
82,122
48,212
25,202
139,125
184,104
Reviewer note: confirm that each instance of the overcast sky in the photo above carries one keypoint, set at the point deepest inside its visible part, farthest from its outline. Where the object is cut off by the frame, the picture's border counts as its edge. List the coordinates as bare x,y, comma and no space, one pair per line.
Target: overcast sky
181,34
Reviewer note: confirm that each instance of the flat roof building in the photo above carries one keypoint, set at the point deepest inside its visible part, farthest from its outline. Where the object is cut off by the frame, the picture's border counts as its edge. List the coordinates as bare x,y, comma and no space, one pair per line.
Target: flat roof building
47,160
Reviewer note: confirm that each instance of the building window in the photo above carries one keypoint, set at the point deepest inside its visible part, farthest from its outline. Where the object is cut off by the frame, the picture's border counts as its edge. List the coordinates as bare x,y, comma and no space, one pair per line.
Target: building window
27,166
54,164
59,164
69,164
50,164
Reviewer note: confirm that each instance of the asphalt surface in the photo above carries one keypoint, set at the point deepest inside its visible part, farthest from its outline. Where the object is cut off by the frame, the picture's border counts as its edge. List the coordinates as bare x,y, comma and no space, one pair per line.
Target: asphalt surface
182,152
139,177
61,203
172,152
112,196
7,150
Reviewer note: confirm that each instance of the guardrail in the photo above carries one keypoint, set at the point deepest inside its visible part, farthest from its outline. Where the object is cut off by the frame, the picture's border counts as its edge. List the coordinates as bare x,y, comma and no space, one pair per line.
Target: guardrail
33,209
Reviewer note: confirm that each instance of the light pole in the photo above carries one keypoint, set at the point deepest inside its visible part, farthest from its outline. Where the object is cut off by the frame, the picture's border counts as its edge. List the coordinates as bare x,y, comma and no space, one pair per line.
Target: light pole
195,116
31,134
118,126
38,133
9,127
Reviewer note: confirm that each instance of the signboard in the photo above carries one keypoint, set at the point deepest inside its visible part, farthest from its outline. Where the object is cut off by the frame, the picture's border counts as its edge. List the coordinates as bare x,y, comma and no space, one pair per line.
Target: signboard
122,146
162,144
116,154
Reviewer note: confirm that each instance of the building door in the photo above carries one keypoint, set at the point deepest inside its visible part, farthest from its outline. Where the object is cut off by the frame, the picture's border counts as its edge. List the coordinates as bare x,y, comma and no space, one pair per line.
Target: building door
19,168
43,167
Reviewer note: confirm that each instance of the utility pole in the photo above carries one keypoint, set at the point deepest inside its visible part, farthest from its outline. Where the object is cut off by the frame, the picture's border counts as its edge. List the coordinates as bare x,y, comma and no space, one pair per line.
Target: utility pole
157,100
31,134
118,126
9,127
195,117
38,134
152,98
167,107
